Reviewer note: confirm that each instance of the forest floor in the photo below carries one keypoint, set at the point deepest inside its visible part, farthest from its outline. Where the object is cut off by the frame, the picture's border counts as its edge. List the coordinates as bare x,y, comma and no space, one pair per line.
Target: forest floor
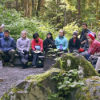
13,75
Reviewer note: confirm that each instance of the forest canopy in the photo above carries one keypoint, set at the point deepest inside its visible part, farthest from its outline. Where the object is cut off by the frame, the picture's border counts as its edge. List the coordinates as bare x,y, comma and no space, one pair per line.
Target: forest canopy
49,15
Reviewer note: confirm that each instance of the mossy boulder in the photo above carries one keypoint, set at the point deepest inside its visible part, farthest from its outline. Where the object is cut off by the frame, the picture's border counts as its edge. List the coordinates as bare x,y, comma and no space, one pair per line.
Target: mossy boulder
39,87
91,90
71,61
34,87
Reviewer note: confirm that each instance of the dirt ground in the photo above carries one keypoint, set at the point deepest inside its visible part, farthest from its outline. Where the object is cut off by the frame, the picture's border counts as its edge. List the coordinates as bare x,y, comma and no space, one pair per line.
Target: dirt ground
11,75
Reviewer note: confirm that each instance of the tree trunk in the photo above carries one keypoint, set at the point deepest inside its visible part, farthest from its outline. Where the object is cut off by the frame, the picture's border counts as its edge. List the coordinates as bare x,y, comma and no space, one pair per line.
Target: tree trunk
79,10
38,8
27,8
30,8
97,9
17,6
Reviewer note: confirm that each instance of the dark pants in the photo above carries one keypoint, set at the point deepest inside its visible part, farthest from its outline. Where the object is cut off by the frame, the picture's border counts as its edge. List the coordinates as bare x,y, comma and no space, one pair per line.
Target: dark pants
24,58
73,50
7,56
35,58
86,55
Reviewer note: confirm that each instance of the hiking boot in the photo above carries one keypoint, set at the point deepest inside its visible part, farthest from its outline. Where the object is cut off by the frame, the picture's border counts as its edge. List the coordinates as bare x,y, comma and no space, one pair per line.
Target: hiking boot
11,65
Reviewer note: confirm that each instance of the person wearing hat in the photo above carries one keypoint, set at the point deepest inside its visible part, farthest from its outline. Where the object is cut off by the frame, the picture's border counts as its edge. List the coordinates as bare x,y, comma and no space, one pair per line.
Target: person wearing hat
23,47
94,46
74,43
61,41
48,42
7,47
1,31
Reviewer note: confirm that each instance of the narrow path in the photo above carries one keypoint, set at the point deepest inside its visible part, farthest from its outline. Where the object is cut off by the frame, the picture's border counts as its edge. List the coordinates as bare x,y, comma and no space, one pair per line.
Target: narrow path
12,75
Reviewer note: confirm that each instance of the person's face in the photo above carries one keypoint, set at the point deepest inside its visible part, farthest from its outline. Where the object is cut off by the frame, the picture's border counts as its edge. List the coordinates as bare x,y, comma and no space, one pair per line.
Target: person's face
24,35
84,26
48,36
89,39
99,35
61,34
37,38
6,34
74,36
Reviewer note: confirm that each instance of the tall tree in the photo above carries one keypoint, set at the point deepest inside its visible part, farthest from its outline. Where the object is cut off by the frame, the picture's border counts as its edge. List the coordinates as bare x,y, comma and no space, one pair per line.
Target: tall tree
28,8
17,6
79,10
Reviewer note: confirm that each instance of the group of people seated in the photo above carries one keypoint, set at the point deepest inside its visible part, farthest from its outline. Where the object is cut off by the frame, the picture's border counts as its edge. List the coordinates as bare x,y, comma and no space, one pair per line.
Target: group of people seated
87,45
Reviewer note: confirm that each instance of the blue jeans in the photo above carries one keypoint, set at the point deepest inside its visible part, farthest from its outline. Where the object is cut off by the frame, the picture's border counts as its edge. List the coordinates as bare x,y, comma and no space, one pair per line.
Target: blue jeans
86,54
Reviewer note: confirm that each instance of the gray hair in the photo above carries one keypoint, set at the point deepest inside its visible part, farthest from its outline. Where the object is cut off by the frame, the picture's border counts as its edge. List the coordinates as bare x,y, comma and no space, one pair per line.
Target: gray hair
23,32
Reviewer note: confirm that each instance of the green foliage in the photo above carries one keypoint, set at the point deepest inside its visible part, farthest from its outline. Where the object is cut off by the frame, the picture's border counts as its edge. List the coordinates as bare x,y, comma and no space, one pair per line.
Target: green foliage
15,23
70,28
66,83
54,13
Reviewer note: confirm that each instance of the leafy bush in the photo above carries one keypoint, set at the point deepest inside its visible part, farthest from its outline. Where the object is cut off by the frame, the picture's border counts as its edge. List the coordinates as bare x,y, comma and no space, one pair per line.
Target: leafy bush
70,28
16,23
66,84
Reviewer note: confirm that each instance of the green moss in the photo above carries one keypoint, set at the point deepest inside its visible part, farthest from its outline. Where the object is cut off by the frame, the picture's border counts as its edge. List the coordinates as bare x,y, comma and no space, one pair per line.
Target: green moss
83,94
76,61
5,97
38,78
14,90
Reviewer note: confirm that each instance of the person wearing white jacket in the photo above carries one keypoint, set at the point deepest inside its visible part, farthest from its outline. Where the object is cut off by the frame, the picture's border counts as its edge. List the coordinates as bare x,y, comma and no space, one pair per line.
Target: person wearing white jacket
23,47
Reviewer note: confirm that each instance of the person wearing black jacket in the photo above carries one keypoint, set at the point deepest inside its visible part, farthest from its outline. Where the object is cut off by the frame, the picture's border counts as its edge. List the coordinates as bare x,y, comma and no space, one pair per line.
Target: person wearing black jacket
84,33
48,42
74,43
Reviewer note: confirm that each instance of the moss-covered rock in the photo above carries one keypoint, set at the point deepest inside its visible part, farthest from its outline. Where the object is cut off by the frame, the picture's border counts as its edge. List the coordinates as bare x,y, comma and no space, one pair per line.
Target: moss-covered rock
39,87
71,61
34,87
91,90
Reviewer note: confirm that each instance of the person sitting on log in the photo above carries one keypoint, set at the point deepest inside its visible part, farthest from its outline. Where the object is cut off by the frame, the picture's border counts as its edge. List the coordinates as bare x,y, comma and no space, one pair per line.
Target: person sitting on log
37,48
94,58
48,42
74,43
23,47
7,48
94,46
61,42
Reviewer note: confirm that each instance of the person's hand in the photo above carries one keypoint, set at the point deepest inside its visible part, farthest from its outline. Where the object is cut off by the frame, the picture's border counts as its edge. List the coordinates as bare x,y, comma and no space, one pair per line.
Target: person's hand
83,42
37,51
50,45
24,51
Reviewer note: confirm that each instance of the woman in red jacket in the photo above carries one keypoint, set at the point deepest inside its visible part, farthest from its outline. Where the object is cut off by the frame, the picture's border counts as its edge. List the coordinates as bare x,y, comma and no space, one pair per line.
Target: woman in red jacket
37,48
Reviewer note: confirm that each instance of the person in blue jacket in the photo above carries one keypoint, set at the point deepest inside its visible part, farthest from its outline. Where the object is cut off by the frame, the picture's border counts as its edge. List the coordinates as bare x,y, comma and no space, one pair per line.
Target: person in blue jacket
7,47
61,41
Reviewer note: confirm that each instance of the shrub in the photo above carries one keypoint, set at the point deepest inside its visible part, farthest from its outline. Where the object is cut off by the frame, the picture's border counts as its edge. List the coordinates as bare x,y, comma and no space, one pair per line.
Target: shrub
16,23
70,28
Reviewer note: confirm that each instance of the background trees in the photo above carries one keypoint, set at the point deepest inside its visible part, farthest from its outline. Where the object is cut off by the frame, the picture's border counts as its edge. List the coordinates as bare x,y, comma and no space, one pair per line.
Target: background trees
58,13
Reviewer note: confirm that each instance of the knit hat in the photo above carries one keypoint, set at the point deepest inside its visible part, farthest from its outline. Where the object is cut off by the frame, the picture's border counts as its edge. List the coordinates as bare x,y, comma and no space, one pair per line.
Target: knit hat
91,35
75,33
